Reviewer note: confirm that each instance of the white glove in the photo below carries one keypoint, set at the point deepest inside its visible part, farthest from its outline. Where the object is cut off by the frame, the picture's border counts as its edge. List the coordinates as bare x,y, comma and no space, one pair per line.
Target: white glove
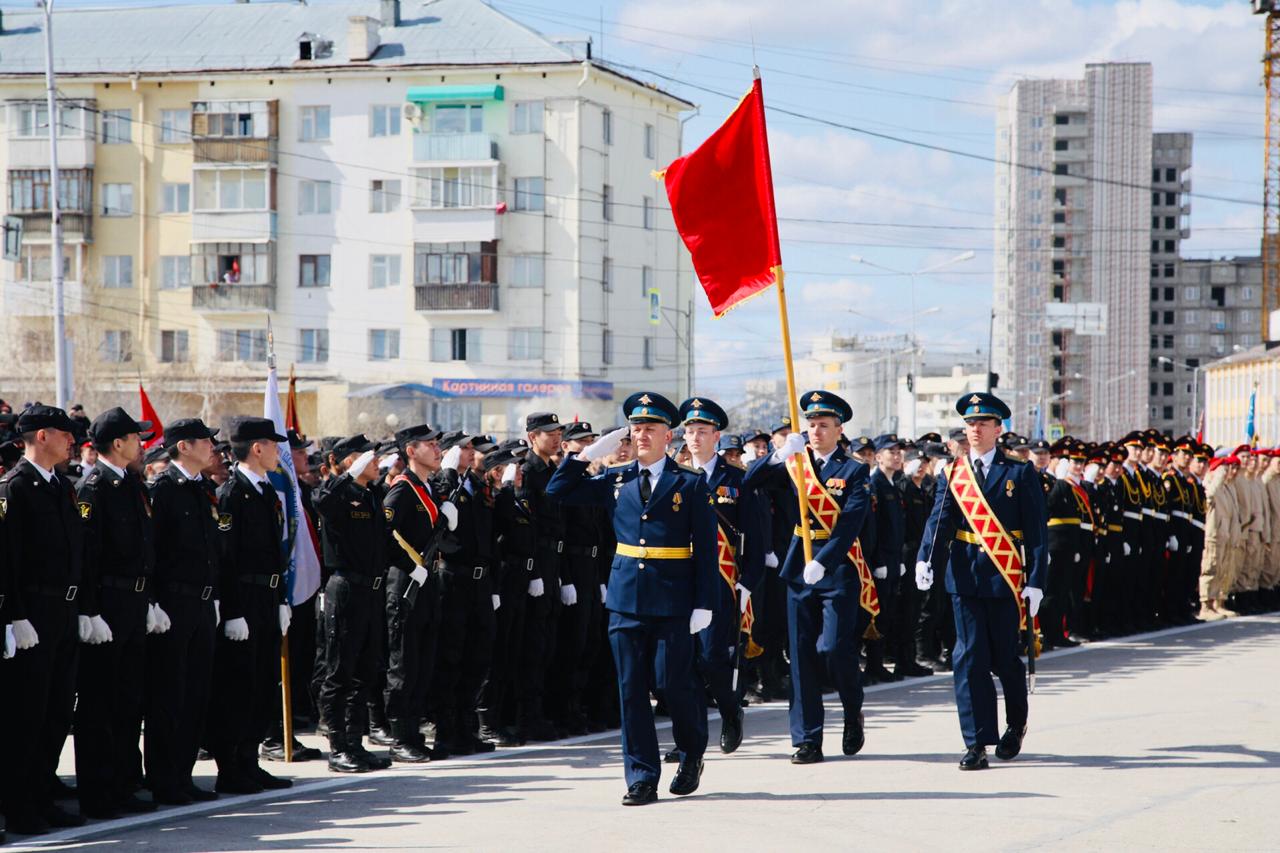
568,595
163,622
101,631
536,588
497,600
151,619
1033,597
744,598
1063,469
236,630
880,572
1172,544
452,457
604,593
814,571
1048,559
509,473
1091,472
749,453
902,569
419,575
793,444
86,628
450,513
217,610
1107,560
286,616
362,462
924,576
698,620
10,642
771,560
1127,550
320,603
24,634
1077,558
605,444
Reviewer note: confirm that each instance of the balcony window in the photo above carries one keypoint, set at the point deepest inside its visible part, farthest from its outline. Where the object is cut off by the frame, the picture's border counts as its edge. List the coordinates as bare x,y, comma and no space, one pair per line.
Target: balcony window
384,271
384,344
29,190
117,271
313,124
313,270
175,198
457,118
175,127
313,346
175,271
232,263
232,119
174,346
315,197
117,346
231,189
530,194
455,263
117,199
242,345
31,121
455,186
384,196
384,120
524,344
526,116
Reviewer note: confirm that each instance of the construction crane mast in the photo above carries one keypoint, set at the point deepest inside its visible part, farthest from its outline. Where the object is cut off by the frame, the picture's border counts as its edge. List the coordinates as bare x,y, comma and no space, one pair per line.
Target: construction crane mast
1271,159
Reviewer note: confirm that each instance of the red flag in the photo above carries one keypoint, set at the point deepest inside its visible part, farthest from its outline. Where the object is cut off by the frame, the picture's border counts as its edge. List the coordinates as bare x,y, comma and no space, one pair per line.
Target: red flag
149,414
291,405
722,202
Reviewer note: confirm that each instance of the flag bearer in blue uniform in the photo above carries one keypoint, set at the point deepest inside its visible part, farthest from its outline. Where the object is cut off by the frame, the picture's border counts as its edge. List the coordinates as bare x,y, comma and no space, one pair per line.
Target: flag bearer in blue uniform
662,586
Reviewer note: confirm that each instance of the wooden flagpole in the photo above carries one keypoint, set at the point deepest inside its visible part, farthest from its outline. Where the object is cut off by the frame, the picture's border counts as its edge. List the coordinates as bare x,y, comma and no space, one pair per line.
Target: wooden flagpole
793,402
286,697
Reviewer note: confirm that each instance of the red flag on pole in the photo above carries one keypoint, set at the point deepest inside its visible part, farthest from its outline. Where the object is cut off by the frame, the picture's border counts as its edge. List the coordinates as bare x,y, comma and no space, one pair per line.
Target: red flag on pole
722,202
291,404
149,414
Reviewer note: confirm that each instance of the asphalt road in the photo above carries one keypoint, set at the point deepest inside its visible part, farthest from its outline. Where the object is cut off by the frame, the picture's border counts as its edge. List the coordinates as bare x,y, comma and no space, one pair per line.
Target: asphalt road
1170,741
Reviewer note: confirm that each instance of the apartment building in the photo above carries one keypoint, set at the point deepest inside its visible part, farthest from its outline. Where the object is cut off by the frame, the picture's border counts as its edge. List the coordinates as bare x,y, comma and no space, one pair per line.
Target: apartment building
436,211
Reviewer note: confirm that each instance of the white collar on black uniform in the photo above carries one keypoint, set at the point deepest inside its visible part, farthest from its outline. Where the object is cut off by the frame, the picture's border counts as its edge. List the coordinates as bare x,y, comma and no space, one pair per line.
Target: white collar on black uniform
119,472
184,472
259,482
48,475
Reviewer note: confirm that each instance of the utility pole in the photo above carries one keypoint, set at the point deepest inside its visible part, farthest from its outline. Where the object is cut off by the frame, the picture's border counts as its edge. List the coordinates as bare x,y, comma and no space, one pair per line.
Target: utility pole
62,369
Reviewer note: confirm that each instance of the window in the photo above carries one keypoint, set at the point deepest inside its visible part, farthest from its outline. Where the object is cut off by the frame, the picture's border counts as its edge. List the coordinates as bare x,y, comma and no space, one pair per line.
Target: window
648,353
1155,388
117,271
646,281
1155,296
239,119
455,263
1061,169
175,271
528,271
242,345
524,344
117,346
1191,342
31,120
315,197
530,194
455,186
1170,246
29,190
1190,318
117,199
231,189
313,124
384,120
1167,412
1167,389
1171,199
650,142
1155,176
606,203
1034,195
117,126
1059,145
384,271
1246,294
37,265
174,346
457,118
526,117
233,263
606,347
1168,318
313,271
1061,119
384,196
1171,175
1217,319
1168,341
175,198
606,127
175,127
1170,223
1033,243
313,346
606,275
1218,295
1155,317
1169,270
1059,242
384,344
647,207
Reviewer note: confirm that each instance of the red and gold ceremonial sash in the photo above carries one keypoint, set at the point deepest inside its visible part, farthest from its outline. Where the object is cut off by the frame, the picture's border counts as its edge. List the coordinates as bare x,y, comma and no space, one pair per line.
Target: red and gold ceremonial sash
826,511
421,492
996,542
729,572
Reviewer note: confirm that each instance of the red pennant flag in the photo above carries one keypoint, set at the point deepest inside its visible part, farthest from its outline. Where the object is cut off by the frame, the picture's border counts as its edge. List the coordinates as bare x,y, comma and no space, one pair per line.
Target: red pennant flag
149,414
722,202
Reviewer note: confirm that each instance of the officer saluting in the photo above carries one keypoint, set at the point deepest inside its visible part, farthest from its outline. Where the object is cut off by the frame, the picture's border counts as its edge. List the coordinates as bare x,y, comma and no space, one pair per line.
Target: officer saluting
823,595
662,586
989,519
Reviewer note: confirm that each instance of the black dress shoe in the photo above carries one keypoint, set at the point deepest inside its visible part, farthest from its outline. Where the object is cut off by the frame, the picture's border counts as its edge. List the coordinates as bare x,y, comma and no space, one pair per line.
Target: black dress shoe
911,669
200,795
808,753
641,794
236,783
1066,642
347,762
975,758
687,778
381,735
1010,743
60,790
410,752
880,675
731,732
672,757
59,818
168,797
854,734
133,805
377,762
269,782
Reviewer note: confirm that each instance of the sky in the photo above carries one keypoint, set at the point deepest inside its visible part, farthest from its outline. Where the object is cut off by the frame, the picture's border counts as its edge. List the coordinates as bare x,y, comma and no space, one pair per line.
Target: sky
924,74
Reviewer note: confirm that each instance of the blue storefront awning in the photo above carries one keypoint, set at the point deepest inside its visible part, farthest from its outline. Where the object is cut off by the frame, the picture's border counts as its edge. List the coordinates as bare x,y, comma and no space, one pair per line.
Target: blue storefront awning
399,391
445,94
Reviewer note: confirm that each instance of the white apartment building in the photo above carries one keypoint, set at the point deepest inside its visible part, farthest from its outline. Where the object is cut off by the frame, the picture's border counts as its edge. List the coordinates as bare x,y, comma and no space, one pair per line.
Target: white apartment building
442,214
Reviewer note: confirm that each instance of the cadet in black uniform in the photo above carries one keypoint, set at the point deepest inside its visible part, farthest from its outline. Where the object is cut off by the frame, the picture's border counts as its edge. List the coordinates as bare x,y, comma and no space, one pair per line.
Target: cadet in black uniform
417,517
254,612
354,542
180,661
44,541
115,598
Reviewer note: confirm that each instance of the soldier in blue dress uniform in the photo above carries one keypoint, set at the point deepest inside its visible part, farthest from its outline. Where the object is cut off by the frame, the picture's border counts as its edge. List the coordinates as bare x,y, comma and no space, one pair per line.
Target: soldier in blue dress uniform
662,586
824,617
986,611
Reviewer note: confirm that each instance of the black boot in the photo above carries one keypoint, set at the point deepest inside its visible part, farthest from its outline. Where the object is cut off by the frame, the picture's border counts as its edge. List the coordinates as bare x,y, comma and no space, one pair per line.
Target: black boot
375,762
342,759
491,730
470,729
408,747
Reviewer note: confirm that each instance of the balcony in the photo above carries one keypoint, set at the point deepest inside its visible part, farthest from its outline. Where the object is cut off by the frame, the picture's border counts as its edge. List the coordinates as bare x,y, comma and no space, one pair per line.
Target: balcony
77,227
233,226
234,297
456,224
248,151
456,297
33,153
454,147
1067,181
1070,131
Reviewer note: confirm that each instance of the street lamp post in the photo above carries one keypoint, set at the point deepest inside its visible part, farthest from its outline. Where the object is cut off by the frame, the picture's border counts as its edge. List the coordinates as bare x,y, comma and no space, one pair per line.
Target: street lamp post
1195,386
915,342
